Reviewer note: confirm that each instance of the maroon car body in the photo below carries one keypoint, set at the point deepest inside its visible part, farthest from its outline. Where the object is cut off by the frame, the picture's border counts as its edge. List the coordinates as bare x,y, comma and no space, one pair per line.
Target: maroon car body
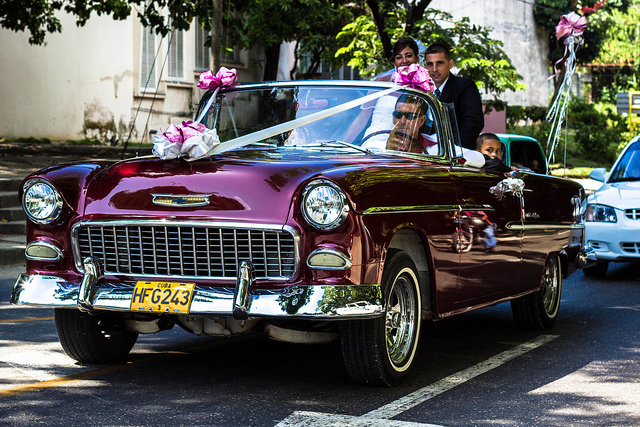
243,229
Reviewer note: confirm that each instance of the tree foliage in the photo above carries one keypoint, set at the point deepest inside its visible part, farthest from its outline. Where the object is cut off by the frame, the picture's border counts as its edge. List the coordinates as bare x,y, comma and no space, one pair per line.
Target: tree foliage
621,44
547,14
370,26
476,54
311,24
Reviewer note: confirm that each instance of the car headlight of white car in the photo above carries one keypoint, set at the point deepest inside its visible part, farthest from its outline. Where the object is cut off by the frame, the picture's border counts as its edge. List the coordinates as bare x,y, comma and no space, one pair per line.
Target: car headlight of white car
41,201
324,205
600,213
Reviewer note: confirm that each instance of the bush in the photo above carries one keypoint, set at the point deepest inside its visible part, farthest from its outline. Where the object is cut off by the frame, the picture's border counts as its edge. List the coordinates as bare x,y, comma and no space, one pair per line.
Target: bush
515,113
598,131
532,114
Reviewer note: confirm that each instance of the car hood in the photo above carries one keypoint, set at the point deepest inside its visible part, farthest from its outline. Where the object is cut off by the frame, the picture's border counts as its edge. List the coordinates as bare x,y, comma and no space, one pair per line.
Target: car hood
621,195
253,186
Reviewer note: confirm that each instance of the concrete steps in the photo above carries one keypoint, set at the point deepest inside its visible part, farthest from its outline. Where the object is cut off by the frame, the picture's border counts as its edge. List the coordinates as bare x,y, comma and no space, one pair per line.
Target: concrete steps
12,223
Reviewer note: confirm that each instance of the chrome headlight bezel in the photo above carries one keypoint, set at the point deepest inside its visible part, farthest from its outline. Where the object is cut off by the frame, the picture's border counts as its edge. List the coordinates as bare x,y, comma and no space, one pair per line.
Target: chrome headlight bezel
41,202
324,205
596,212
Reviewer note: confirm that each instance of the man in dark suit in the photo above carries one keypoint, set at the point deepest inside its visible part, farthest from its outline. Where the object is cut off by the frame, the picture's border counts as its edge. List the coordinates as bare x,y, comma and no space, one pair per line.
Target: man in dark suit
460,91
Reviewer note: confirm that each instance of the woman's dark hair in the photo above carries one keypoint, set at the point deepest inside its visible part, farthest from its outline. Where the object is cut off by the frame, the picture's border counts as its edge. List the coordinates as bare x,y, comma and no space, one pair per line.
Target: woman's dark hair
402,43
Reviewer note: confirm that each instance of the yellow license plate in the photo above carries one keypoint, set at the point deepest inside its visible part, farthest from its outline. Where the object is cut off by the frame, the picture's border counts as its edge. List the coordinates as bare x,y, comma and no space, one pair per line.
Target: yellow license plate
162,297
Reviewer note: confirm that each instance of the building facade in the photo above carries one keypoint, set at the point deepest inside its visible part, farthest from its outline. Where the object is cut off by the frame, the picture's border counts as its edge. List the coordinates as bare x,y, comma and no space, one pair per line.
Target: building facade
117,81
110,80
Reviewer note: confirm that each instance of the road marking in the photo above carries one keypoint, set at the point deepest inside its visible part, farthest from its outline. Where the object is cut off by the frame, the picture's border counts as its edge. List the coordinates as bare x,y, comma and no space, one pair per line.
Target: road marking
317,419
63,380
108,369
81,376
382,415
27,319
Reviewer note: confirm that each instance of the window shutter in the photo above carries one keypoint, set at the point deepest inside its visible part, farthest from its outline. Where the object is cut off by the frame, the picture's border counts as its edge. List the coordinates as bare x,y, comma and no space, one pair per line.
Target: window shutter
147,69
176,55
202,52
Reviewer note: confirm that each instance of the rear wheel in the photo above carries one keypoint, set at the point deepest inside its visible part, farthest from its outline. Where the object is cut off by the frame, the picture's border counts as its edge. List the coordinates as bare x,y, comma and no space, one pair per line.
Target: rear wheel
381,351
597,270
93,338
539,310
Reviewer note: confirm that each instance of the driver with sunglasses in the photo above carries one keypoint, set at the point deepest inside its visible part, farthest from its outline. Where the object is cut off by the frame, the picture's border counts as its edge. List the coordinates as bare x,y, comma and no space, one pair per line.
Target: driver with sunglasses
408,117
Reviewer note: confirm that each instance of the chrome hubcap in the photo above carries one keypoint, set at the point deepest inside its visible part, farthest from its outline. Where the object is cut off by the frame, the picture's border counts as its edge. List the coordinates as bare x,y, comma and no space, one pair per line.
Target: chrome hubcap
551,287
401,319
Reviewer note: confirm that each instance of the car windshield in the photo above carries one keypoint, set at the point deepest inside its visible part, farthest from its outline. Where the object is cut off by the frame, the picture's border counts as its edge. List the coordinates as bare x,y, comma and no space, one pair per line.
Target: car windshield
302,115
628,168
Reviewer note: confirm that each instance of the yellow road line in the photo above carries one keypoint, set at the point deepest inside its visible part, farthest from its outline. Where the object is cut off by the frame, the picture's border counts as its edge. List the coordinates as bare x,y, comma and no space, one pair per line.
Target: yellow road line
28,319
61,381
108,370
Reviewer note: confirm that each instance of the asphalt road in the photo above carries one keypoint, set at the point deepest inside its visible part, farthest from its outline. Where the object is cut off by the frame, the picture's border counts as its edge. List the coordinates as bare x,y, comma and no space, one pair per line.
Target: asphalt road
475,369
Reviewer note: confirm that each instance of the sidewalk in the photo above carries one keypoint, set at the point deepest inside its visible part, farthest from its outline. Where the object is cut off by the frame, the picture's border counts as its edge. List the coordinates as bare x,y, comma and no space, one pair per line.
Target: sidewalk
20,159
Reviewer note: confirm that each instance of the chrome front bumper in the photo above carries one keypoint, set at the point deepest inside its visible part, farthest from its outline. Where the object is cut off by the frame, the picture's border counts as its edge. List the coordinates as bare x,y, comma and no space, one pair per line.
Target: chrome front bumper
310,301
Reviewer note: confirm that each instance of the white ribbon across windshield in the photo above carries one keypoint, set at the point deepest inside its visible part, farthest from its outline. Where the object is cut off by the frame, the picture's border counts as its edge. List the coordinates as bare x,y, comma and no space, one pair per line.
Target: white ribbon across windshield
284,127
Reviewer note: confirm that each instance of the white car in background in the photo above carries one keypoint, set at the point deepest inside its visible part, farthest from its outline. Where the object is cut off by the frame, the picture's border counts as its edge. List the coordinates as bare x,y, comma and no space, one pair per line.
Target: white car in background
612,215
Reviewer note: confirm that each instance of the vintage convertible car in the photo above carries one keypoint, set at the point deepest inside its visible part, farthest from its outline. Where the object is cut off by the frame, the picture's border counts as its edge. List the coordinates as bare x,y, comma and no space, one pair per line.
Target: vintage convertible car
297,223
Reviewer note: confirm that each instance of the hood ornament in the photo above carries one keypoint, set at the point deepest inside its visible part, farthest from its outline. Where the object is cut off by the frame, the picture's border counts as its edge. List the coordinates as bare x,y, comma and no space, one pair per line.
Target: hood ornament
181,200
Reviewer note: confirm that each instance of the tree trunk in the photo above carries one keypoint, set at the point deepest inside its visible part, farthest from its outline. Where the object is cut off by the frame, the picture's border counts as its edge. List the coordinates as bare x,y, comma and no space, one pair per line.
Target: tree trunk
272,53
378,19
414,14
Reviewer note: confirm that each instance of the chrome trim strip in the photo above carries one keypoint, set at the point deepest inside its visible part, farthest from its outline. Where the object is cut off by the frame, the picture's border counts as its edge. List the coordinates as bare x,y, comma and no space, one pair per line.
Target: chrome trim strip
543,226
191,224
327,302
425,208
51,246
586,257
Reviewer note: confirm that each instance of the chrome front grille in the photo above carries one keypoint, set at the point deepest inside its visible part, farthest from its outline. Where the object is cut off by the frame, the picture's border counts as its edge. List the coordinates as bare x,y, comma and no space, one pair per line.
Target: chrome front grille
632,213
185,250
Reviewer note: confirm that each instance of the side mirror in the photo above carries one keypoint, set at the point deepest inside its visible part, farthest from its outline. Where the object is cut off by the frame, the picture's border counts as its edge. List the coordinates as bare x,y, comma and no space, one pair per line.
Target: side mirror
598,174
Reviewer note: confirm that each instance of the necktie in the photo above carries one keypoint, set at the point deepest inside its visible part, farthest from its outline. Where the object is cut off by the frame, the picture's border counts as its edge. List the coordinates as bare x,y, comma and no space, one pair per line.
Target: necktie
437,92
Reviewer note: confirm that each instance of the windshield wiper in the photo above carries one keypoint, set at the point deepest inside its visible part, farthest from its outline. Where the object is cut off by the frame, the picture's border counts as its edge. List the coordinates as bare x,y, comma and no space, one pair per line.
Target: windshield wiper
348,145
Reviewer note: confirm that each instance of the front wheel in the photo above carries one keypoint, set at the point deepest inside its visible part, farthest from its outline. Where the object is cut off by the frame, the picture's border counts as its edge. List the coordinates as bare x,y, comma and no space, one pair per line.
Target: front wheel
93,338
381,351
539,310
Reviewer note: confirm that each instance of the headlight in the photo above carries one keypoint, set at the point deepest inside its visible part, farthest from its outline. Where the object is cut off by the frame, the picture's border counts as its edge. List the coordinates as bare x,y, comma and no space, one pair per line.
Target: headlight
600,213
41,201
324,205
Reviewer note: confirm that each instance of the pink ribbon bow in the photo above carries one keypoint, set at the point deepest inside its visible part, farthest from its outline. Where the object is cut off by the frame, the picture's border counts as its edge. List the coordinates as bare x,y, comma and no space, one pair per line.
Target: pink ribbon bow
223,78
415,77
571,24
186,130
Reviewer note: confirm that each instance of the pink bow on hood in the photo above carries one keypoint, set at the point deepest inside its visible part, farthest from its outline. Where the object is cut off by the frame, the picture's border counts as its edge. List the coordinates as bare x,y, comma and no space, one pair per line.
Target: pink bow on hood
223,78
415,77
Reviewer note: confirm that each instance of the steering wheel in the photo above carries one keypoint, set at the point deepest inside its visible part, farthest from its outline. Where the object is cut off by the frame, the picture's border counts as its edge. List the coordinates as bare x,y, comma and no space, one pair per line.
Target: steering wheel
378,132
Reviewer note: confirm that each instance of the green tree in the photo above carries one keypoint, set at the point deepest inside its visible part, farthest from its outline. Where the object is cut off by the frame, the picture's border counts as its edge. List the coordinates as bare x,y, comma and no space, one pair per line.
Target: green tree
547,14
479,57
311,23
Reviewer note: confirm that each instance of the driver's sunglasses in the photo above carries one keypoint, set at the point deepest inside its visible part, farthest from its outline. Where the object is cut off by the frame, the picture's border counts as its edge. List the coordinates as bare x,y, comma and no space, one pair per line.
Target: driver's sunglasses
410,116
